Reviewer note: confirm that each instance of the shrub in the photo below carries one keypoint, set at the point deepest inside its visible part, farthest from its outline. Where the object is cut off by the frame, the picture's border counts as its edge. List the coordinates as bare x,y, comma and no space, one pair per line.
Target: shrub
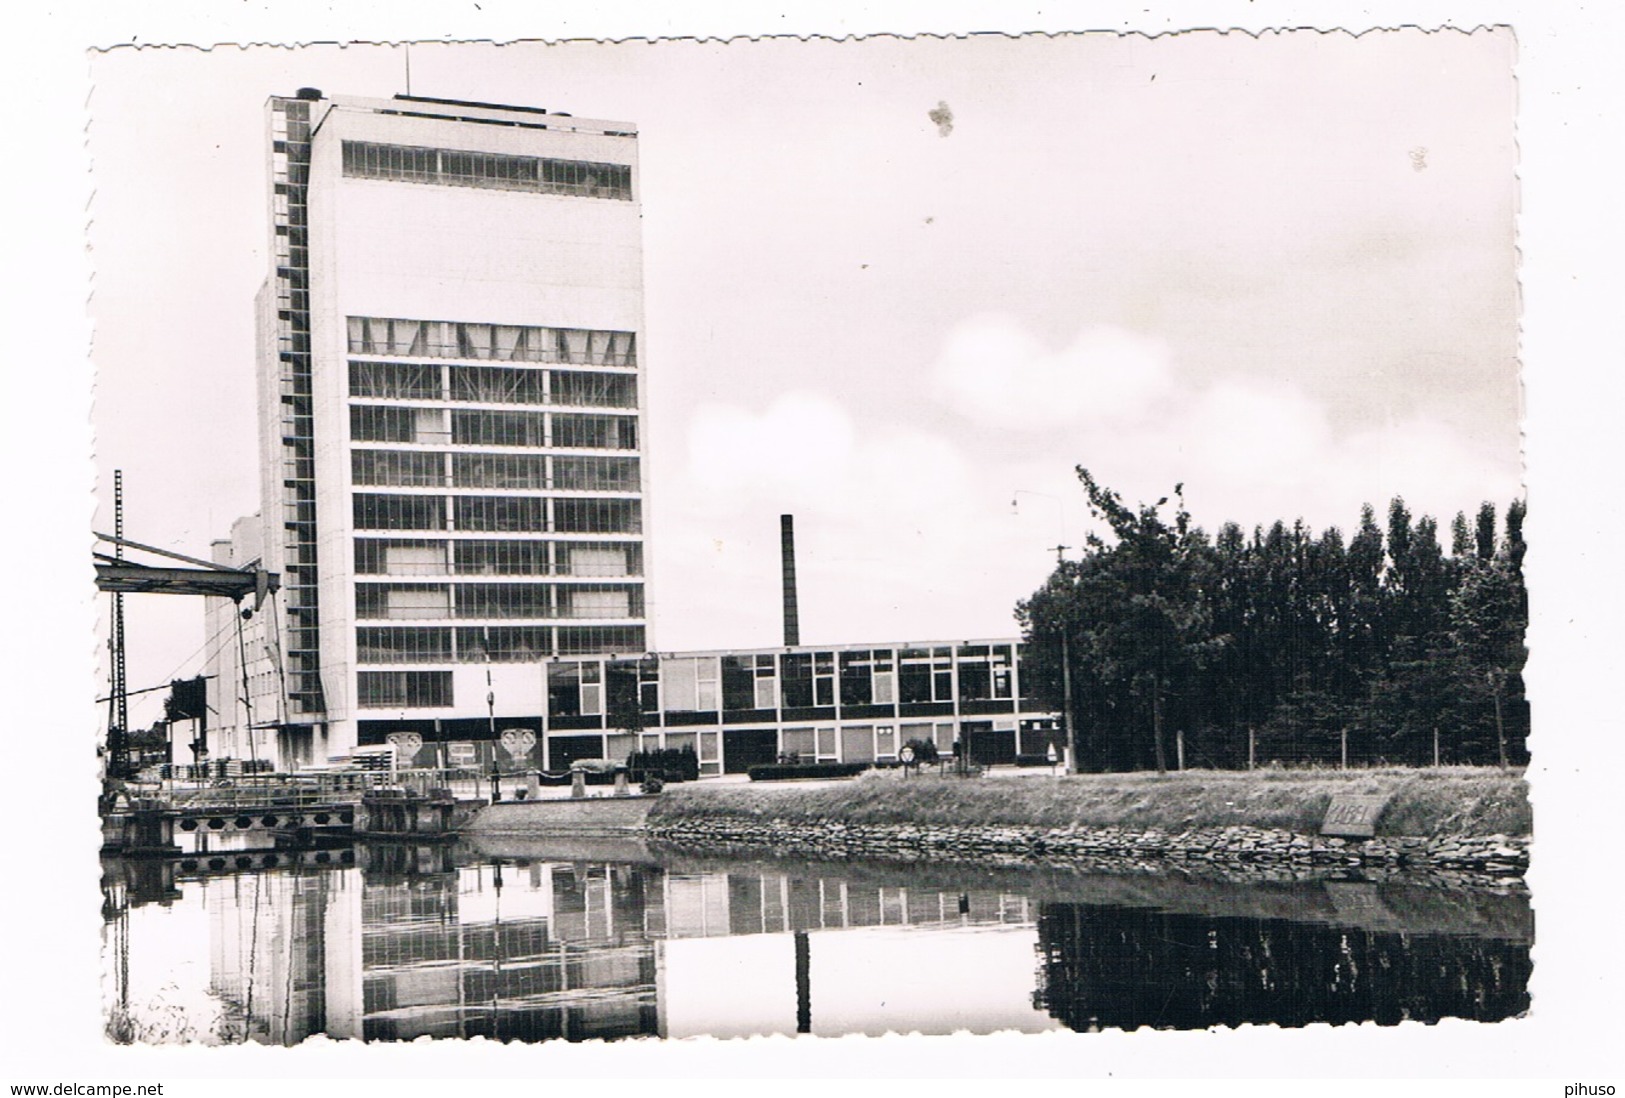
652,784
775,772
925,751
669,764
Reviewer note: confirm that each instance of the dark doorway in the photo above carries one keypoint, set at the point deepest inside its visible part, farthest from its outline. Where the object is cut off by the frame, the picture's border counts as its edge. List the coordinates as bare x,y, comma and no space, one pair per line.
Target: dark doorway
989,747
743,748
564,750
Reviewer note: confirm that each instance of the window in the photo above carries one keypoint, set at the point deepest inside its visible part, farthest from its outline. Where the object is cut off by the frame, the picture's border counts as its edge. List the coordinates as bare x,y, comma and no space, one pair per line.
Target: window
498,385
395,380
649,684
575,689
402,644
403,689
925,675
379,512
690,684
457,168
400,601
590,559
481,428
581,639
369,423
796,680
490,342
504,643
885,678
595,390
522,471
511,558
504,600
505,513
766,684
824,679
592,601
400,558
738,682
857,684
597,516
398,468
604,474
984,672
588,432
885,742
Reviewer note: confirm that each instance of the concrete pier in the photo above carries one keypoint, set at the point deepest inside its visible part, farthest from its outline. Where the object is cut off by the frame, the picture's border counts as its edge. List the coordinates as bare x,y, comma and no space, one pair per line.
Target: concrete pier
589,816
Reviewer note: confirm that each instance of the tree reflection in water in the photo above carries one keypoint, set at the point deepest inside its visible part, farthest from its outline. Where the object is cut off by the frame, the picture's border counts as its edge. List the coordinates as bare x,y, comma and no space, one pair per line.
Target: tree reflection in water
1114,967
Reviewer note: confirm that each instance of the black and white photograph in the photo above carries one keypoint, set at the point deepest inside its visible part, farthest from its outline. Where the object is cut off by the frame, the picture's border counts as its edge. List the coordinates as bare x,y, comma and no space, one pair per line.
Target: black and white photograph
627,541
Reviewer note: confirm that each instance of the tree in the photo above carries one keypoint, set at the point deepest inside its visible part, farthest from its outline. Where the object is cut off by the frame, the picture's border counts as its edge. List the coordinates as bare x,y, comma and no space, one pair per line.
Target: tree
1133,620
1489,611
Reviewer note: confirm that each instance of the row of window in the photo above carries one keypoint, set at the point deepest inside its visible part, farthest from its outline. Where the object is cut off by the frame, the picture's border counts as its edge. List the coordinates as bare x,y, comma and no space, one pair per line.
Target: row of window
492,384
622,687
494,171
512,558
800,680
403,689
418,644
521,472
507,514
427,426
498,342
499,643
424,601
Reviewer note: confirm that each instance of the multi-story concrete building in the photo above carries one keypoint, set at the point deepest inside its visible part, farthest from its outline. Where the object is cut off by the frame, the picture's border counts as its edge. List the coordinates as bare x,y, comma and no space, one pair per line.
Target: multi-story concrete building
450,404
450,425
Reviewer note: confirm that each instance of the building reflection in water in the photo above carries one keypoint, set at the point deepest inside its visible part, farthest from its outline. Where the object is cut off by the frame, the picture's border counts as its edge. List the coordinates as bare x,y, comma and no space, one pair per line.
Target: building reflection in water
411,942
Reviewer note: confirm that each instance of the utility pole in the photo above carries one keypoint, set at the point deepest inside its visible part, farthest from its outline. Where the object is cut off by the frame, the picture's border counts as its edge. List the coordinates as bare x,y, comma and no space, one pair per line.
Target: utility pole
1068,726
1069,732
118,711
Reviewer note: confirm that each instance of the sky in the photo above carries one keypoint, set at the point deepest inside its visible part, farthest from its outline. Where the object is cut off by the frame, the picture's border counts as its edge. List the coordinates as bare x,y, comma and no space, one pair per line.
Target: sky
901,289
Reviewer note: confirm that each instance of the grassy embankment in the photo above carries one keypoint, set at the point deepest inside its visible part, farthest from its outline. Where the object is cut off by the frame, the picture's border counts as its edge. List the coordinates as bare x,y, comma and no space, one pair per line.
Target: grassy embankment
1448,801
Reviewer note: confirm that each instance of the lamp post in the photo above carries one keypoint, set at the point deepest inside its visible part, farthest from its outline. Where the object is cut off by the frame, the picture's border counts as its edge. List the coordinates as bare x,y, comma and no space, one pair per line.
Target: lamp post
1068,731
491,718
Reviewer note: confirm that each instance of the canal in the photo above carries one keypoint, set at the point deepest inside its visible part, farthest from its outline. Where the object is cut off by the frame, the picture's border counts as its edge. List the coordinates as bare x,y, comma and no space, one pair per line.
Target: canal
525,941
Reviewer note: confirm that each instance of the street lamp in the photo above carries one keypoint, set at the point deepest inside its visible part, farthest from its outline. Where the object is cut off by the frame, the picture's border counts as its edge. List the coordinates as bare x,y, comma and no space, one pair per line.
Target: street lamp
1068,730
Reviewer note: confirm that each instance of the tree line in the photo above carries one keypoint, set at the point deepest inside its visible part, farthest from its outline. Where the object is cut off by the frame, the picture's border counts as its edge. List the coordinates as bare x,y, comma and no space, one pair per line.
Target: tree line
1284,644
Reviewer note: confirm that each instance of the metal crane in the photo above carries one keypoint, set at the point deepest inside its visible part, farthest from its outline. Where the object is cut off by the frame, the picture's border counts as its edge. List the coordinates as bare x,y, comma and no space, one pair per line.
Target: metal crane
120,577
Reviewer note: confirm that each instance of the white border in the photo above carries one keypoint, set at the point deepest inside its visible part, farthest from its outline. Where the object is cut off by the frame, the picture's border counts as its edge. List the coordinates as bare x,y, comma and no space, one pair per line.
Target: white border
1570,237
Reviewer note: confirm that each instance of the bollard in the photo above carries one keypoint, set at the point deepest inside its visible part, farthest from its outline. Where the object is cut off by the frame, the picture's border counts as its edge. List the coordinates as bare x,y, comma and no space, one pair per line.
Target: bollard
578,784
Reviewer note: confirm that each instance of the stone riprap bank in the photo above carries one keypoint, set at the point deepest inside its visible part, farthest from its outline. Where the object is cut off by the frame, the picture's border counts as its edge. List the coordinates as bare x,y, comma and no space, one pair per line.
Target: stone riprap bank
1498,856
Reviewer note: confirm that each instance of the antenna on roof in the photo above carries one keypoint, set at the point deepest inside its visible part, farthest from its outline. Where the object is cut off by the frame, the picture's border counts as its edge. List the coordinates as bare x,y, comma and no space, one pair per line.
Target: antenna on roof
408,68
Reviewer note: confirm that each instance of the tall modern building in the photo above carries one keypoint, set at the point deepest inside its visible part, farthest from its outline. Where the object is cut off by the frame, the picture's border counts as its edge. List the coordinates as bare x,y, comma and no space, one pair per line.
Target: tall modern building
451,413
450,384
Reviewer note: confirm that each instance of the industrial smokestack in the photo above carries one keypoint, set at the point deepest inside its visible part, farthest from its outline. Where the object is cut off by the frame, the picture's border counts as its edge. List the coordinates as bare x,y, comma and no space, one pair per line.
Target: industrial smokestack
787,553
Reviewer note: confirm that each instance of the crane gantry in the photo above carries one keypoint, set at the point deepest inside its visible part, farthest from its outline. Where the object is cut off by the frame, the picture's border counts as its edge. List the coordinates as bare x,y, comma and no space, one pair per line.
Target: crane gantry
121,577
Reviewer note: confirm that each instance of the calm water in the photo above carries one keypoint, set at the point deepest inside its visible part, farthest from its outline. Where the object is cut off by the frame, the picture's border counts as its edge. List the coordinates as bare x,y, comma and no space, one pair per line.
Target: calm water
533,943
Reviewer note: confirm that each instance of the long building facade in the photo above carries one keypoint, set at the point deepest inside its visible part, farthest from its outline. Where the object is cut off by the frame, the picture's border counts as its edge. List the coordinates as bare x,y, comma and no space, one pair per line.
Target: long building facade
451,427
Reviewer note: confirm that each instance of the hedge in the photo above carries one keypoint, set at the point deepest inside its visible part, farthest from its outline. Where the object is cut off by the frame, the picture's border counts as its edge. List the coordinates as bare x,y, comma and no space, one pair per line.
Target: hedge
778,772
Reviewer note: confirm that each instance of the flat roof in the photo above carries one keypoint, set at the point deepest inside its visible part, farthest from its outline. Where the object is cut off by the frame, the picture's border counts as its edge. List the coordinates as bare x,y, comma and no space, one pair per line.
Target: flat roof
468,110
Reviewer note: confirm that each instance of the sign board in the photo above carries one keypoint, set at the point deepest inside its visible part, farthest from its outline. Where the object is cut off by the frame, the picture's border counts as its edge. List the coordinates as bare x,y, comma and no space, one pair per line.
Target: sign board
462,754
1353,816
406,744
517,741
907,755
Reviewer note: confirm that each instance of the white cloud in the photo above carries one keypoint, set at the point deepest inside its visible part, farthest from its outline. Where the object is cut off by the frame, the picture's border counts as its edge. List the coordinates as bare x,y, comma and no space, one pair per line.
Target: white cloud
908,534
994,370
